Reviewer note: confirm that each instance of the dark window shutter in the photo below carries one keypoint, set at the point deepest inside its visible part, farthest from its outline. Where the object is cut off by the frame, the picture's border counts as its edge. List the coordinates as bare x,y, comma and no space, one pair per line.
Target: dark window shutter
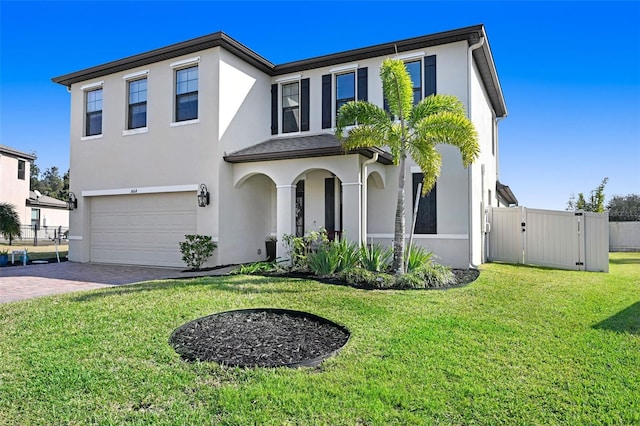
330,205
326,101
274,109
304,104
429,75
362,84
426,219
385,106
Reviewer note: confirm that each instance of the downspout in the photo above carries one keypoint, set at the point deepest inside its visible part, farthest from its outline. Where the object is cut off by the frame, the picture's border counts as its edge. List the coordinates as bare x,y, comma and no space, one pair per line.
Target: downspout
363,219
469,174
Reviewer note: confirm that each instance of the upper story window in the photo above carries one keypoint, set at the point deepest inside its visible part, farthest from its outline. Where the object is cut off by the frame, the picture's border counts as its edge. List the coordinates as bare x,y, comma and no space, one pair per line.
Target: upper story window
345,89
291,107
351,84
137,108
22,167
415,72
93,108
187,94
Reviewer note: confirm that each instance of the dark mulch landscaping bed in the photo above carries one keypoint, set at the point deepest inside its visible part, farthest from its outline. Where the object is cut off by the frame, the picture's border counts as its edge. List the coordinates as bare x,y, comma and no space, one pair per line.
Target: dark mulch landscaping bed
260,338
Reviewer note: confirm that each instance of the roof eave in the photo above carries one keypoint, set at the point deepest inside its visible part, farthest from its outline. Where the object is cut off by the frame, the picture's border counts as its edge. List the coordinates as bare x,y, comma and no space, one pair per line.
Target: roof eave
383,157
218,39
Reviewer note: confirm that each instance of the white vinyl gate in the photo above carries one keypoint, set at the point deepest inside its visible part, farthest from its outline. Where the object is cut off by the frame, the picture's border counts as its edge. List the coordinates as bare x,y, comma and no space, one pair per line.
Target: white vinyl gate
558,239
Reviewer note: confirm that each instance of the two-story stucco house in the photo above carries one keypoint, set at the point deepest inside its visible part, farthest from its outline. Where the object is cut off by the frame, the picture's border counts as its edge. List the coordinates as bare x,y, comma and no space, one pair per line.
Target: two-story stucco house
150,132
44,212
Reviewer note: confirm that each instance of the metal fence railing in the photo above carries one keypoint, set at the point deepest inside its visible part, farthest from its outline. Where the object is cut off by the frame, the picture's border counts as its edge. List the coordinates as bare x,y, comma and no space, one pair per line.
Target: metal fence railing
40,236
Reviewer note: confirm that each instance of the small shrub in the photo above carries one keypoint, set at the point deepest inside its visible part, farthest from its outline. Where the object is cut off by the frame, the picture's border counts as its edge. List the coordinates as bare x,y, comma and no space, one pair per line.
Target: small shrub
299,248
437,275
324,261
418,258
196,249
409,280
255,268
347,253
375,258
360,277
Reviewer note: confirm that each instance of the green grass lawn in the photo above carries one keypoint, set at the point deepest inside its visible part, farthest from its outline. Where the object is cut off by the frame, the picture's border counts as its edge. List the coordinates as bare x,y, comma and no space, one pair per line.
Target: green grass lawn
521,345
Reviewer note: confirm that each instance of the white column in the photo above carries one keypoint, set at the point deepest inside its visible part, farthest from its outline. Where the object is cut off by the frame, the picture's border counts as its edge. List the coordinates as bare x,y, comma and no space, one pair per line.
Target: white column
352,211
285,215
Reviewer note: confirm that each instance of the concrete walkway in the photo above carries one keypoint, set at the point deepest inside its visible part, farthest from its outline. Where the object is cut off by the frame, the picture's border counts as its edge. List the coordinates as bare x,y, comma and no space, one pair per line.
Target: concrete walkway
26,282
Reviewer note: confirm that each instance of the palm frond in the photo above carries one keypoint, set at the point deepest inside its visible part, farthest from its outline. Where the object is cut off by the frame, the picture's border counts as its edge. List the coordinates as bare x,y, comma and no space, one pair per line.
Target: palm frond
362,113
363,137
429,160
435,104
452,129
397,87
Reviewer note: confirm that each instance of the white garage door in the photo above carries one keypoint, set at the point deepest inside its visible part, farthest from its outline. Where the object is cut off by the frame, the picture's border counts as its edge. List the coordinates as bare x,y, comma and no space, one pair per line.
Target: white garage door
141,229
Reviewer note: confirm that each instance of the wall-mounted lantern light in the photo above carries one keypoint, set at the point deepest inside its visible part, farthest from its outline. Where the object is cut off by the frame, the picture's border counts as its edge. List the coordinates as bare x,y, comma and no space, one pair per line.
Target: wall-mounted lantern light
72,202
203,196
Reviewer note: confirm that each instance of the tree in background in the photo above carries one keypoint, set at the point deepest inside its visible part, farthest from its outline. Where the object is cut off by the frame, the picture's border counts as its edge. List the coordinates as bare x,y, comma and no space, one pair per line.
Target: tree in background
9,222
49,182
35,174
595,203
437,119
624,208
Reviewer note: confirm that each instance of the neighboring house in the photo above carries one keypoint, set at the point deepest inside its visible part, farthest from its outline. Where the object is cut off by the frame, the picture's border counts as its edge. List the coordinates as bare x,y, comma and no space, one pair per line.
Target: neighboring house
149,130
15,178
47,213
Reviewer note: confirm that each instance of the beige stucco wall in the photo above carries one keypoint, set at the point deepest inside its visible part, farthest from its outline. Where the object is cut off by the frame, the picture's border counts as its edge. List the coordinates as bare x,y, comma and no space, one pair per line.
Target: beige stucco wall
52,218
484,170
13,190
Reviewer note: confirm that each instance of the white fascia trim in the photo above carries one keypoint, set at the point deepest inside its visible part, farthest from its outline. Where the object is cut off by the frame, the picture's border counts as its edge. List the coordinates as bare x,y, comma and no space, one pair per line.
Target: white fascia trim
141,190
185,62
424,236
135,131
351,183
414,55
343,68
290,78
416,169
135,75
184,123
75,237
92,85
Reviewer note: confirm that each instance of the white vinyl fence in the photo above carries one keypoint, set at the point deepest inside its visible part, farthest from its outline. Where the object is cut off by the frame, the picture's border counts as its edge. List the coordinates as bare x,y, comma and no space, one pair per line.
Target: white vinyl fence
558,239
624,236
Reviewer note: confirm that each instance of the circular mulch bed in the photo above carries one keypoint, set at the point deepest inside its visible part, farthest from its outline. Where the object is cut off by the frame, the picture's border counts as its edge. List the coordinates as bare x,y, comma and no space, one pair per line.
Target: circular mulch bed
260,338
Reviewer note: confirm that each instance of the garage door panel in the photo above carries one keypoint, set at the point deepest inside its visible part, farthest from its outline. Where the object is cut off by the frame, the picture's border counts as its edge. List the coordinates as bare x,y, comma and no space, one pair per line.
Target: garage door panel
141,229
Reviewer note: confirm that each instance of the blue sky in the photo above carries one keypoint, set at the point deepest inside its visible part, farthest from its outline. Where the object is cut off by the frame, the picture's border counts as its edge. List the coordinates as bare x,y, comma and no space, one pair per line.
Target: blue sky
570,71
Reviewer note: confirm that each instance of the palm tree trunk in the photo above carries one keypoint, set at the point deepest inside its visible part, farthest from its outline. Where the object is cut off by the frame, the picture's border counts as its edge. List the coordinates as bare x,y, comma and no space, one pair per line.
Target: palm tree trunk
398,239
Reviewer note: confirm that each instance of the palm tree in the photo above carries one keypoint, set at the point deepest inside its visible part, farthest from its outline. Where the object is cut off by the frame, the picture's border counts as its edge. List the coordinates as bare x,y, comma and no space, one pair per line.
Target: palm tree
9,222
437,119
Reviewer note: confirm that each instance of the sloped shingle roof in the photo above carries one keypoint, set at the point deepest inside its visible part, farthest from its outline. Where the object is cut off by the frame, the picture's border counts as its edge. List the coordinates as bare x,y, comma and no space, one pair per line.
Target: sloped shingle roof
299,147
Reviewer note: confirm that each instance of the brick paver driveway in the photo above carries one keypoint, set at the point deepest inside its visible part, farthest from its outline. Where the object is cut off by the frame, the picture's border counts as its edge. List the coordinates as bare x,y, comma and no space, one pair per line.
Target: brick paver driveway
25,282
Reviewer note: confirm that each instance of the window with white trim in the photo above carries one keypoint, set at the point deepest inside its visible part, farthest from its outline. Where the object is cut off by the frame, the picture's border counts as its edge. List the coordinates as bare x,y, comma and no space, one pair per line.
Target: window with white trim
291,107
186,106
137,104
93,112
414,68
345,89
